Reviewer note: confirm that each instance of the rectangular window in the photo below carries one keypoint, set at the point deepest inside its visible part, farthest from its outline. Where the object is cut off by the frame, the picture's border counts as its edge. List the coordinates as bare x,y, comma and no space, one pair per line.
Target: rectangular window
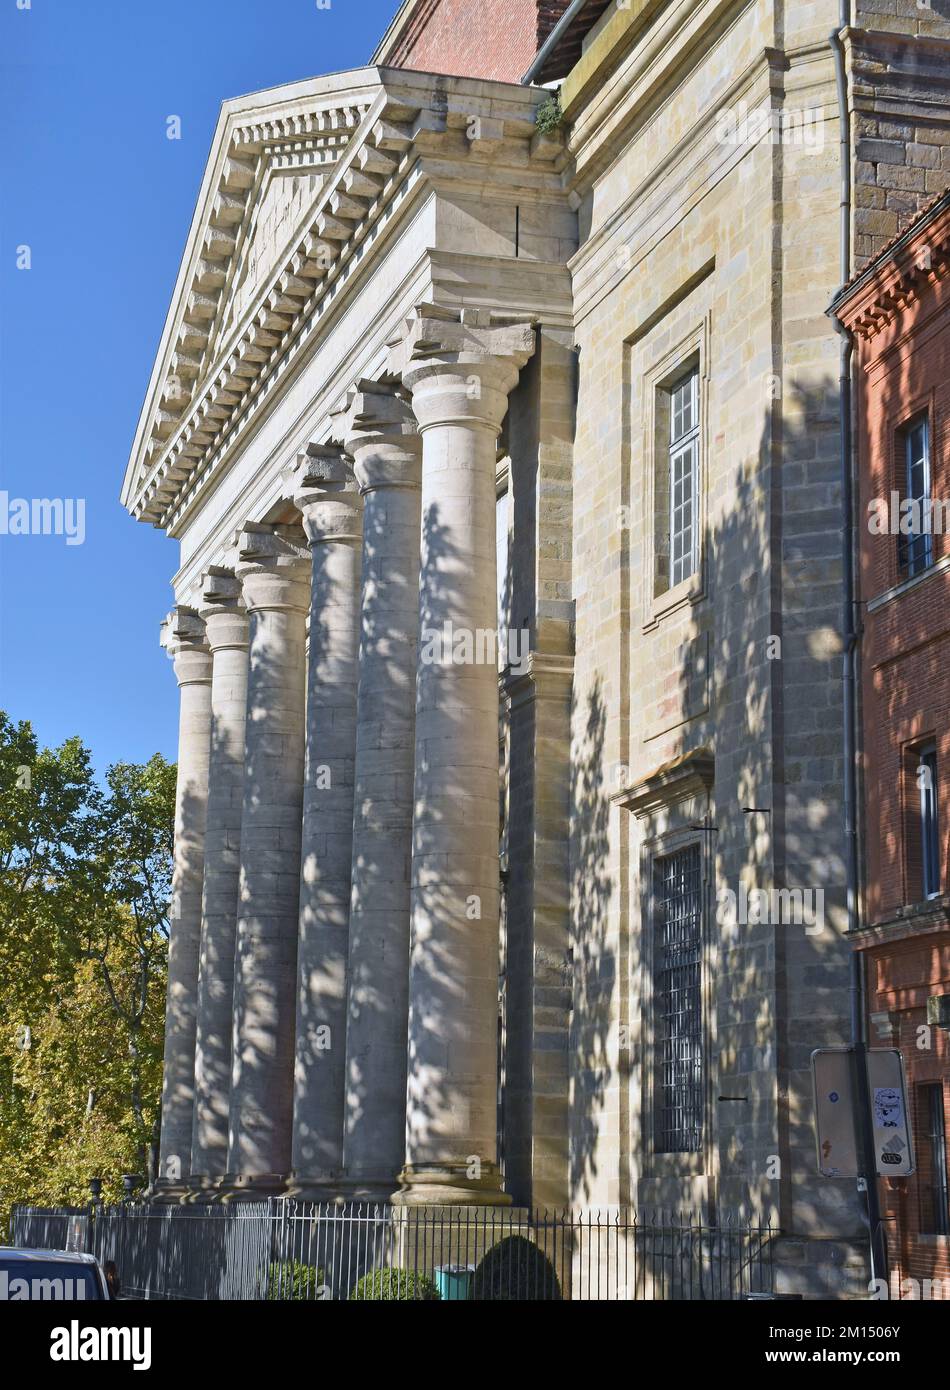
684,477
677,1001
915,542
929,833
935,1199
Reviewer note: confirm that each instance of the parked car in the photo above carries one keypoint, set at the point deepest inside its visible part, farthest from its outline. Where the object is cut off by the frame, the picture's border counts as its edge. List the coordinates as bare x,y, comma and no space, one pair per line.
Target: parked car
50,1276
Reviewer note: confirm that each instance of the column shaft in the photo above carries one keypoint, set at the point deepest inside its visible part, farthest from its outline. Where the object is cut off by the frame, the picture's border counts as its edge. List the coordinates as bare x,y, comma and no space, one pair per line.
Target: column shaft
274,573
381,435
323,488
184,638
459,375
226,625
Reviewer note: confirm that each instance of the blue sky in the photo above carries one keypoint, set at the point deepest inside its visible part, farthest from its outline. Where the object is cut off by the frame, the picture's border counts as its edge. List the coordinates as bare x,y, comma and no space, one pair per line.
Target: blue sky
90,183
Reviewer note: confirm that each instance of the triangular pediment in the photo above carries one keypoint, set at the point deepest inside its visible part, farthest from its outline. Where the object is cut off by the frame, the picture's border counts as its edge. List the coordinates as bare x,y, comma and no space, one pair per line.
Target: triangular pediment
271,156
299,180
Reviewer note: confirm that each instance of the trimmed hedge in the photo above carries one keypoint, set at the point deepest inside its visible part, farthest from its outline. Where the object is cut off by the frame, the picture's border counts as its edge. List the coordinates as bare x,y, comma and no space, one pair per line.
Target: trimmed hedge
401,1285
292,1280
515,1271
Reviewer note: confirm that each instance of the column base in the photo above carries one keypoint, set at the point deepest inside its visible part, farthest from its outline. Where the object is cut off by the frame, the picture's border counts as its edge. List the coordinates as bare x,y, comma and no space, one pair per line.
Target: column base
256,1187
447,1185
168,1191
203,1190
315,1187
369,1189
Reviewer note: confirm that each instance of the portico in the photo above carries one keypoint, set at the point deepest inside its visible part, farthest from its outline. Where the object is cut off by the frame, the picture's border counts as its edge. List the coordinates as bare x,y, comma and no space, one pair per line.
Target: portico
366,279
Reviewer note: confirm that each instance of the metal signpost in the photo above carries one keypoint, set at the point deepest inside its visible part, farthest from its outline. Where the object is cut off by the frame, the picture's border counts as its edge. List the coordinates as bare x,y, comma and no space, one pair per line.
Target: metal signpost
835,1111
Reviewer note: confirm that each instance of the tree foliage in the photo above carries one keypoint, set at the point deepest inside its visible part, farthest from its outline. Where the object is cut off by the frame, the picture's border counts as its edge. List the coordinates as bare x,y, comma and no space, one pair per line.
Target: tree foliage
85,885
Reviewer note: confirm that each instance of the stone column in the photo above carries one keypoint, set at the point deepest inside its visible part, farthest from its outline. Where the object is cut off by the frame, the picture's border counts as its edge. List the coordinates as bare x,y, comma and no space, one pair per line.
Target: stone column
273,567
459,370
323,488
183,636
226,624
380,433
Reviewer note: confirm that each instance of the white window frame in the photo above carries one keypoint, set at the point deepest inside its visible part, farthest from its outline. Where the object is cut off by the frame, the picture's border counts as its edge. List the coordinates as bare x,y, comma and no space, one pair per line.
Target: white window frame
917,547
684,457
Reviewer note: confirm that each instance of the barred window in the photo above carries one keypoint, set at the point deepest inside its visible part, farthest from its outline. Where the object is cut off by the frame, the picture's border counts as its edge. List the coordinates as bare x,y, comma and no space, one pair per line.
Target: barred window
915,548
933,1178
684,477
677,1001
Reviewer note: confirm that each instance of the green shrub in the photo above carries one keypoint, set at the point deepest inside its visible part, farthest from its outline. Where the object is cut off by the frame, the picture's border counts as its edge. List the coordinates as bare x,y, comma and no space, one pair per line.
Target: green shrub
292,1280
401,1285
515,1271
548,115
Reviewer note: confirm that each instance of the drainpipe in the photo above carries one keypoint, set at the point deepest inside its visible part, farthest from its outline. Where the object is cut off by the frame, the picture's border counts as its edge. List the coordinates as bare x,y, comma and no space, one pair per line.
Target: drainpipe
553,39
865,1139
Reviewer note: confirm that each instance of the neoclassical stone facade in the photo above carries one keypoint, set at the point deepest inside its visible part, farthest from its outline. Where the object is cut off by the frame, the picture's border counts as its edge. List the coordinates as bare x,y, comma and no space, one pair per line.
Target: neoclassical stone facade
473,722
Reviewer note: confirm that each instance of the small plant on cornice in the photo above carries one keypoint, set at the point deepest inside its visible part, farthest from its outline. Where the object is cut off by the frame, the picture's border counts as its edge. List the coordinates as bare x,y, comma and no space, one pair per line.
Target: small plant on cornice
548,116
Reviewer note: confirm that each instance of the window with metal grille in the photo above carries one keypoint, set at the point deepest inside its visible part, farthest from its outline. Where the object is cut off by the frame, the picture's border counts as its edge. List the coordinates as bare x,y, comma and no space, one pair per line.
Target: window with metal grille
915,541
684,477
929,834
935,1213
677,1001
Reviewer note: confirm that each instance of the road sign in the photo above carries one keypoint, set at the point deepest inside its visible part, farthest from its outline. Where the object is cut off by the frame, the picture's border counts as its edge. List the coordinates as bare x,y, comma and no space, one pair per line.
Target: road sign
890,1122
833,1079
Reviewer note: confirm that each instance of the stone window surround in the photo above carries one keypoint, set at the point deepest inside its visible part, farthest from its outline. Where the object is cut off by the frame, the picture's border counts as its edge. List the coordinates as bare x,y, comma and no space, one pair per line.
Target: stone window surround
667,1165
670,805
691,348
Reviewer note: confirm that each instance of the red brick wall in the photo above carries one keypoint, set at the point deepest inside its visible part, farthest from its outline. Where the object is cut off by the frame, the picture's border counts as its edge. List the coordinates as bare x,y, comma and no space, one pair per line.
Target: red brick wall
474,38
904,371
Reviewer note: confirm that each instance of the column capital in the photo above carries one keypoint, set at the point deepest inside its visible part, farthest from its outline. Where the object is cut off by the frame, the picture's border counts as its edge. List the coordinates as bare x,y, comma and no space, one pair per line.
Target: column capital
380,432
185,641
273,565
461,364
222,608
322,486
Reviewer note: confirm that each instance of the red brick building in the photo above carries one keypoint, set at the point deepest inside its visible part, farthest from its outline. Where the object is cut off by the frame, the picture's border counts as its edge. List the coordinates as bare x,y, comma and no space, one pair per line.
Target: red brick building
898,311
495,39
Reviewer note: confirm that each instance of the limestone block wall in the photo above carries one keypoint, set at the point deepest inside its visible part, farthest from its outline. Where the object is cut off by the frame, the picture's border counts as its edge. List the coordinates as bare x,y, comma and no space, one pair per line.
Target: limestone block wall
899,58
719,250
537,1013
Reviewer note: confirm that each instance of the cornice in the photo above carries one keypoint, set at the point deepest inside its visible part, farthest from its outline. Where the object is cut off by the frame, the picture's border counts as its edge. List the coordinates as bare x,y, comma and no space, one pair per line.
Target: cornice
663,51
377,135
690,775
899,277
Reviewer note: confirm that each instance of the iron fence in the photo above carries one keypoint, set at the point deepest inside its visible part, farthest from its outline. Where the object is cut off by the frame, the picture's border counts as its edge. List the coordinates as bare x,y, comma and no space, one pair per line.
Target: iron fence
293,1251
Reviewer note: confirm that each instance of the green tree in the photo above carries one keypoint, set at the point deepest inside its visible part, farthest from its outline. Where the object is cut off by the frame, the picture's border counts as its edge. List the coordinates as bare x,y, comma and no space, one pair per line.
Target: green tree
49,805
85,885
